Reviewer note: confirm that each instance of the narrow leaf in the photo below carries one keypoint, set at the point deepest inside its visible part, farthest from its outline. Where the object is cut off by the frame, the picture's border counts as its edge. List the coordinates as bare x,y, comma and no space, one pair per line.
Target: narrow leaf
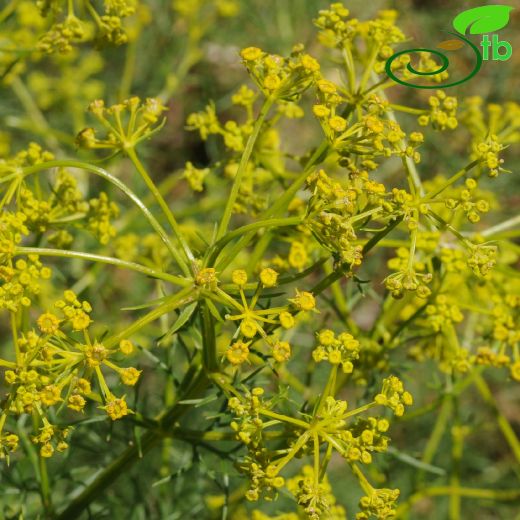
182,319
147,304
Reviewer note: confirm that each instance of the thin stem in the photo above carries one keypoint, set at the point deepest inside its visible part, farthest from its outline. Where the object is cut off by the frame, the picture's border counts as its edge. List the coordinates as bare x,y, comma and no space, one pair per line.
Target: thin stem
438,431
340,271
210,360
184,296
162,203
14,330
284,418
503,226
484,494
270,223
33,111
506,428
193,386
408,110
457,439
128,70
279,206
96,170
154,273
242,167
454,178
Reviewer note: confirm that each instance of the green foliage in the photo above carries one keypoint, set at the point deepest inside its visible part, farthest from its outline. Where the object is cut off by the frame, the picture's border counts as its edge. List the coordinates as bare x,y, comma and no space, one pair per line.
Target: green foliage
291,314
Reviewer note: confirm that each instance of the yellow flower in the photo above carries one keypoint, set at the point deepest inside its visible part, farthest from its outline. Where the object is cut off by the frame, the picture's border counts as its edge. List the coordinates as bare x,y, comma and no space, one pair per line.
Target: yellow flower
80,320
48,323
10,441
286,320
515,371
117,408
298,256
239,277
338,123
304,301
251,53
207,278
320,111
326,337
50,395
130,376
126,346
374,124
238,352
10,377
272,82
310,63
76,402
268,277
281,351
61,446
326,86
83,386
46,450
248,328
95,354
335,357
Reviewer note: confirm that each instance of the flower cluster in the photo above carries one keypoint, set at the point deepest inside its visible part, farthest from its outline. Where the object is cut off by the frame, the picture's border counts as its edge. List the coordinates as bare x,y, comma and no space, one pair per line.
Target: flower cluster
394,396
281,78
67,29
21,281
126,124
287,271
53,367
443,112
341,350
255,322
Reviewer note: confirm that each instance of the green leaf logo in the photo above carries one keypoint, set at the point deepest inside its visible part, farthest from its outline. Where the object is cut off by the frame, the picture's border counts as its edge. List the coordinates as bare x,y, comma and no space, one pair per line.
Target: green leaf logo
480,20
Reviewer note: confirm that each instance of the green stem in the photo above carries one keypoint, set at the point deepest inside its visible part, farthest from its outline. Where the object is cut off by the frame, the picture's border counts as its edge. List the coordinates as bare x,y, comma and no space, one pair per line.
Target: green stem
412,174
45,488
162,203
210,359
33,111
96,170
154,273
408,110
178,299
279,206
14,331
438,431
506,428
503,226
456,457
270,223
242,167
128,70
284,418
8,10
454,178
194,385
484,494
340,271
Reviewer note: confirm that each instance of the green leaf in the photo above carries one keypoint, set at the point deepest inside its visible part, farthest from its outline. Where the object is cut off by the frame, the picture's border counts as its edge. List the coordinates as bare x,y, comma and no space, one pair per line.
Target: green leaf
214,311
147,304
480,20
182,319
